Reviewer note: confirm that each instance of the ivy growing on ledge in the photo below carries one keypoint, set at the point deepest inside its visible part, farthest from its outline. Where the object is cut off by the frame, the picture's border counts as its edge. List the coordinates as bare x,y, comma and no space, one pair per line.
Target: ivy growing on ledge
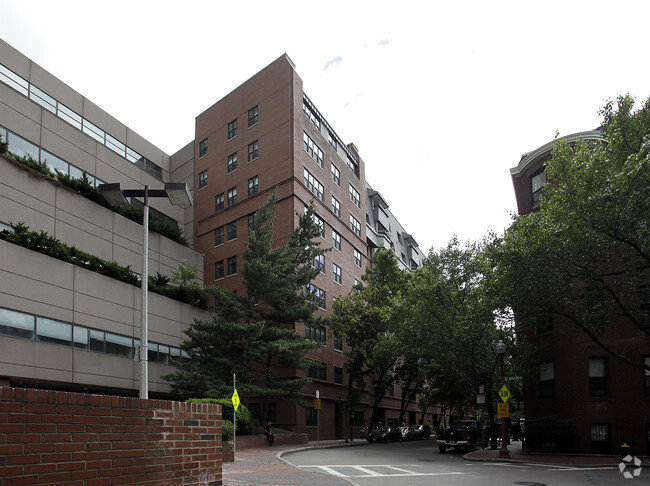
185,289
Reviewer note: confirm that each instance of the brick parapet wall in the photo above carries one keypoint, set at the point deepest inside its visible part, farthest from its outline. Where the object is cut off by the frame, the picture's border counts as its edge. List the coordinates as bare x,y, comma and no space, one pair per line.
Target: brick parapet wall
55,437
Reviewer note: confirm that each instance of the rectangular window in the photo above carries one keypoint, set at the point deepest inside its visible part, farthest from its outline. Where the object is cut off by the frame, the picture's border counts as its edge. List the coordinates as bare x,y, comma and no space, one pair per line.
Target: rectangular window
600,439
42,98
355,226
219,202
232,196
312,149
316,295
316,333
232,265
336,206
70,116
321,224
252,222
115,145
355,197
310,115
546,380
253,150
218,270
203,179
597,377
253,116
232,230
357,258
16,324
203,148
97,341
338,342
336,240
119,345
314,185
93,131
318,371
13,80
338,375
232,162
253,184
80,337
336,175
232,129
537,183
311,417
336,271
54,332
319,263
218,236
331,139
353,166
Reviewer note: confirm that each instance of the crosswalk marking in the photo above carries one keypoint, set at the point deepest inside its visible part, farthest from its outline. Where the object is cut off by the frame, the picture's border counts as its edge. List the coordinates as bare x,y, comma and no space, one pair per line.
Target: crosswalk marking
371,471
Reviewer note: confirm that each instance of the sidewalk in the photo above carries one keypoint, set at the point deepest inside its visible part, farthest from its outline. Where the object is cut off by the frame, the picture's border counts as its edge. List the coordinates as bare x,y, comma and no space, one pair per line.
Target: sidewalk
265,466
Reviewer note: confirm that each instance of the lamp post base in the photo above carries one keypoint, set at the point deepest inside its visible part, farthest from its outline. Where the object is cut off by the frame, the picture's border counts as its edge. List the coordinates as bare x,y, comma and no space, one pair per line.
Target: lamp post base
504,453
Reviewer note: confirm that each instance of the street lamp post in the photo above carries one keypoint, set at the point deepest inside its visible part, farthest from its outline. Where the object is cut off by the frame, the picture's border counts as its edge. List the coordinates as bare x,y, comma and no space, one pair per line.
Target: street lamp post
503,452
179,195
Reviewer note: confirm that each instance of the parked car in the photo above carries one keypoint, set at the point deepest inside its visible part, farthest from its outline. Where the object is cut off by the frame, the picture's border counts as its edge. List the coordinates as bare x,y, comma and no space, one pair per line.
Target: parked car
388,434
463,434
422,431
408,433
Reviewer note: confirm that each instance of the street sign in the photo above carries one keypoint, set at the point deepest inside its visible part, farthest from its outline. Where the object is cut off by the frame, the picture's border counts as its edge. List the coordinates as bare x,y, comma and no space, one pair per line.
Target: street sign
503,410
235,400
513,378
480,398
504,393
317,403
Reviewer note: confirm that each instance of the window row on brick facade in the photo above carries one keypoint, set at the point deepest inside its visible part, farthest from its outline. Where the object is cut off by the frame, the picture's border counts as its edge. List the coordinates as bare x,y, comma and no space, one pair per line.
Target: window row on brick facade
231,194
225,268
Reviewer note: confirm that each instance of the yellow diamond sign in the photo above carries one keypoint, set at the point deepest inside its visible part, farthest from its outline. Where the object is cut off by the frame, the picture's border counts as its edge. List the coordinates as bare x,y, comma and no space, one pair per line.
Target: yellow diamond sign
504,393
235,400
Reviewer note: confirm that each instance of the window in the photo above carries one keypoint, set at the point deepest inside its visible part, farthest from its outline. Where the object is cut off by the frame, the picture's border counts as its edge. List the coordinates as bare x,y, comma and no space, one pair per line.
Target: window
219,202
314,185
232,230
338,375
253,150
336,206
253,116
311,417
336,175
355,226
316,295
537,183
232,265
53,332
232,129
317,371
232,162
600,443
336,271
232,196
546,381
331,139
355,197
253,184
597,377
312,149
336,240
203,179
316,333
321,224
357,258
218,236
319,263
310,115
252,221
353,166
218,270
338,342
203,148
16,324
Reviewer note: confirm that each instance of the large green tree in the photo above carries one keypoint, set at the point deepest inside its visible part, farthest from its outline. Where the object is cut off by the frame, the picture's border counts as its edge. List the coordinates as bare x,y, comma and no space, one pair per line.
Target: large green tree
254,335
585,256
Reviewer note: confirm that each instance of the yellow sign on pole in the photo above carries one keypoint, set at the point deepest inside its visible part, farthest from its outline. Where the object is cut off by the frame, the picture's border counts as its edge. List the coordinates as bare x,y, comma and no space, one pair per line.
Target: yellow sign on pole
235,400
317,403
503,410
504,393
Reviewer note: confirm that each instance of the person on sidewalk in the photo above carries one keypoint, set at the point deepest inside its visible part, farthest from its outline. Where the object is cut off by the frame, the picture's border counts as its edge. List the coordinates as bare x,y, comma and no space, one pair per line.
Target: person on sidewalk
269,433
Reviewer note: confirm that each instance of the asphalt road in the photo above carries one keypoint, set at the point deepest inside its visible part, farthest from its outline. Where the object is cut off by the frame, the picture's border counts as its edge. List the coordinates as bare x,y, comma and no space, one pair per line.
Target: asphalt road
420,463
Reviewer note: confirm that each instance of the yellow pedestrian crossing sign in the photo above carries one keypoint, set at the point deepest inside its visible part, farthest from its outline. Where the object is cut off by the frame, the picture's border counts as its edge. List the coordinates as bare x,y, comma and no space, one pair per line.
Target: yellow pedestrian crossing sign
504,393
235,400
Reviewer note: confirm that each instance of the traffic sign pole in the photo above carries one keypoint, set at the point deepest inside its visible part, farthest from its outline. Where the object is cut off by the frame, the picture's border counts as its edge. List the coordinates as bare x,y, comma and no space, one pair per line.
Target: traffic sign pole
318,418
234,415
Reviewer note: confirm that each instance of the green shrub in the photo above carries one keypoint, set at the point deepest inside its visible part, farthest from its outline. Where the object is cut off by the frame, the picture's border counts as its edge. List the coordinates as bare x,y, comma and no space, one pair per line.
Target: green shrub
245,420
227,430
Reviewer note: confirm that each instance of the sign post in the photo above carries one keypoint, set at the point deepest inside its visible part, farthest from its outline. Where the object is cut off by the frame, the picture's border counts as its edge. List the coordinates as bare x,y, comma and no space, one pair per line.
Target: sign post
317,407
235,406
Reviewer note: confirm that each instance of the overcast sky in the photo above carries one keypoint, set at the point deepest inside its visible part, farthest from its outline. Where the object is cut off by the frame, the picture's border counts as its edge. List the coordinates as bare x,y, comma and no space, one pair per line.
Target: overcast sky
440,98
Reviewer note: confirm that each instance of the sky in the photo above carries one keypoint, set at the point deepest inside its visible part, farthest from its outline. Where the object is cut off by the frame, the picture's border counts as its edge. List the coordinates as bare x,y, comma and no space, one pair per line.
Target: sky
441,98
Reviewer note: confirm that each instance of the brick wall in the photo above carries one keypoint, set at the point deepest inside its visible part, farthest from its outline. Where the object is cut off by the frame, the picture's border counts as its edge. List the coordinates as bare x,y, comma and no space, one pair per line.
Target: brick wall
54,437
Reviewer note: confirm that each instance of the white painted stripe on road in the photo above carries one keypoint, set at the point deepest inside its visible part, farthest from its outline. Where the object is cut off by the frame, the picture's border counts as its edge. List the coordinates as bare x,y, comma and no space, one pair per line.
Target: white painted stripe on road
367,471
400,469
333,472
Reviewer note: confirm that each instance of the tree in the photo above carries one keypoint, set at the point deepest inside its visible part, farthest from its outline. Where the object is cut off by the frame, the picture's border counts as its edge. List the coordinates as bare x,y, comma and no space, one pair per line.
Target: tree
365,319
254,336
585,256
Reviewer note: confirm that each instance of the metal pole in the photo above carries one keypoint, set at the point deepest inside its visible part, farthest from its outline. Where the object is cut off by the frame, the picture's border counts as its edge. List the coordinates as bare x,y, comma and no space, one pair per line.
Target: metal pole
144,285
234,416
503,452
